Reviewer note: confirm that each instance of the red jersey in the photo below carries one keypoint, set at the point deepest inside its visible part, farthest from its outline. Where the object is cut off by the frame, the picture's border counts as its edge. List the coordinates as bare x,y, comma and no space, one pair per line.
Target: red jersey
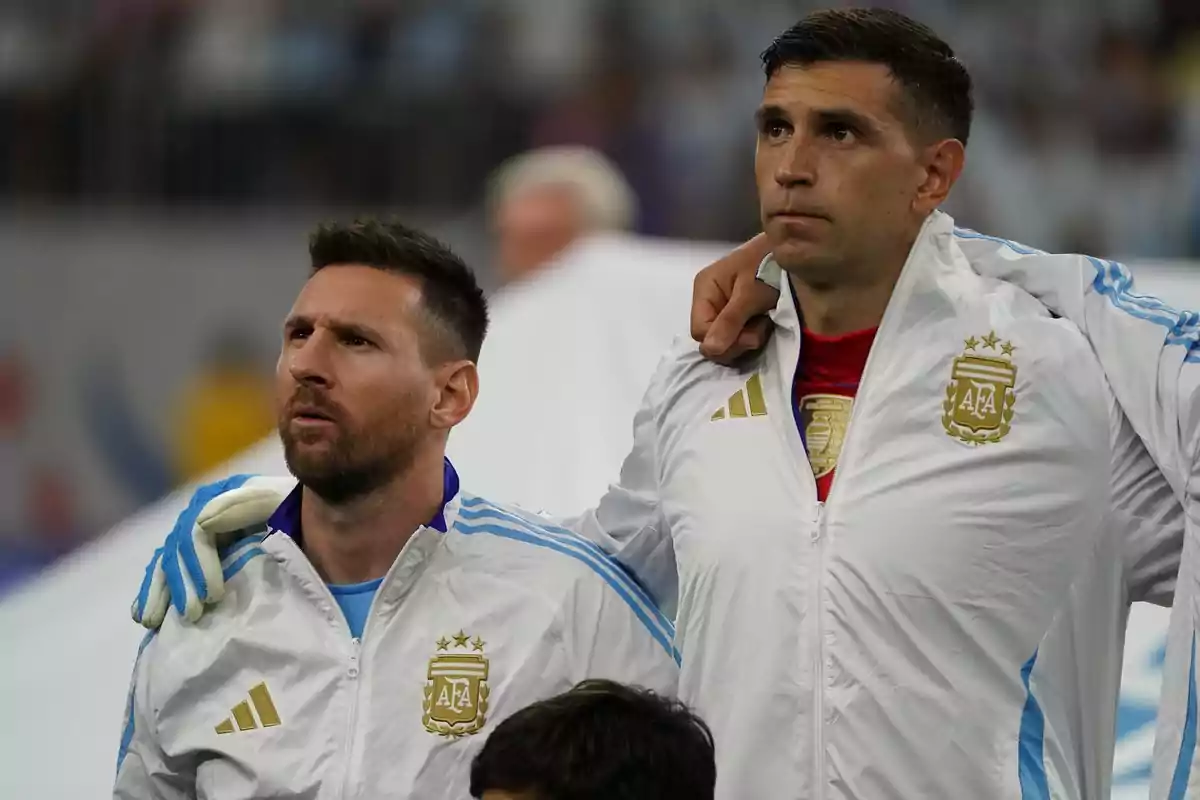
826,384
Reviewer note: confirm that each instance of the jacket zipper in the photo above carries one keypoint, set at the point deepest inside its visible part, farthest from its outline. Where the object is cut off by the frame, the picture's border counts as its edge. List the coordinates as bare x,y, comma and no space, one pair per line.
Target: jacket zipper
352,672
818,538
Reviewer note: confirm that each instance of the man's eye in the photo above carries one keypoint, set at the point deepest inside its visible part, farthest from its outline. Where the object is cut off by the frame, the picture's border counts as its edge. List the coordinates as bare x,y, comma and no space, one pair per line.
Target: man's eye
841,133
775,130
297,334
356,341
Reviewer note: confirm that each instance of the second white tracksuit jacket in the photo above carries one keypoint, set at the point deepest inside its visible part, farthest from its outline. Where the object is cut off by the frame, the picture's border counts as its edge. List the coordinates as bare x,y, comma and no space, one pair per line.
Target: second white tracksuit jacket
949,624
485,611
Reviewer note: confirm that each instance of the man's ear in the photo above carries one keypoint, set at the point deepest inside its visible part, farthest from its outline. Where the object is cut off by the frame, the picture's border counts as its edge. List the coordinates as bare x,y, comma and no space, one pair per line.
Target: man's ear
943,163
458,386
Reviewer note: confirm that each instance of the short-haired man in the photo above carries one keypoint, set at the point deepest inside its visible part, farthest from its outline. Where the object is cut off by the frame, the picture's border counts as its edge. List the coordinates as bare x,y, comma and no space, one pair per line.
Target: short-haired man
599,741
384,621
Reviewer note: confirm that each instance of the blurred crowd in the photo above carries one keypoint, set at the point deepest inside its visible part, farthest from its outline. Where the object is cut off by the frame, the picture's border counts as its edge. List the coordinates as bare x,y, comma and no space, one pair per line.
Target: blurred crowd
1087,137
1090,106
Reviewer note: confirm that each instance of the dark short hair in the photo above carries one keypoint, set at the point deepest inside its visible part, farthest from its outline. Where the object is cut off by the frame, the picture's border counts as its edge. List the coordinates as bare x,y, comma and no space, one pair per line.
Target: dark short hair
600,741
936,84
449,292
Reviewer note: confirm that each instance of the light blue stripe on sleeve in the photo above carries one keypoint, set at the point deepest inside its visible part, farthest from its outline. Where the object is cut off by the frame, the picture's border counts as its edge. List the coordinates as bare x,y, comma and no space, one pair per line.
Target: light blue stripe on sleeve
1187,747
967,233
1114,281
476,508
238,559
127,731
664,635
254,538
1031,742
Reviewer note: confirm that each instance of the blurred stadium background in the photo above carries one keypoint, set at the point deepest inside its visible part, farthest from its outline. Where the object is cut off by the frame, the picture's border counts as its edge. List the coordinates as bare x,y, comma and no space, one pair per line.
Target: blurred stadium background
161,160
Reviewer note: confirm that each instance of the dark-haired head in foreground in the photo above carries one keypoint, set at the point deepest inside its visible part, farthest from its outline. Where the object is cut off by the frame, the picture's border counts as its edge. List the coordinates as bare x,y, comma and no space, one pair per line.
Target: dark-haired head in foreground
861,135
378,358
599,741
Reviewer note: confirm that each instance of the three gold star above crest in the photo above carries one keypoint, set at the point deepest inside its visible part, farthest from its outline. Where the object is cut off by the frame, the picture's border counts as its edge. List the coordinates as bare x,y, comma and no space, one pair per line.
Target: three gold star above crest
990,342
463,640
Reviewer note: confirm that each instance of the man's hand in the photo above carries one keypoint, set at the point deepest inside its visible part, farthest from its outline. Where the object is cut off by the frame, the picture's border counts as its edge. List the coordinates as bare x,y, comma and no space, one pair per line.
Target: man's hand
729,304
186,571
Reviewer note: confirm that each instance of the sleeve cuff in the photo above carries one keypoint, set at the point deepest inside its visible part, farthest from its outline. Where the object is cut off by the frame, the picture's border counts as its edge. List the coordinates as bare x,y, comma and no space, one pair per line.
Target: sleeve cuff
770,273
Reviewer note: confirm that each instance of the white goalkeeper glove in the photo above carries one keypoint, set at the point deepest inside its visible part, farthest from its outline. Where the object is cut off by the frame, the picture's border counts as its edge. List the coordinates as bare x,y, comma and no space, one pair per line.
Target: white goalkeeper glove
186,571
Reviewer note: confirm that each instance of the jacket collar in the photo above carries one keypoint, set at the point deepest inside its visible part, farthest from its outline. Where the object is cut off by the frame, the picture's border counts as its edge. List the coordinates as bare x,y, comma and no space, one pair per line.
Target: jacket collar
286,518
934,256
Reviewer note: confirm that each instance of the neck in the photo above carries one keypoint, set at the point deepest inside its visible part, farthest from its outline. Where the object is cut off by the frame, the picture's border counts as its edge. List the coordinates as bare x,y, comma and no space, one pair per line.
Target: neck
835,309
359,540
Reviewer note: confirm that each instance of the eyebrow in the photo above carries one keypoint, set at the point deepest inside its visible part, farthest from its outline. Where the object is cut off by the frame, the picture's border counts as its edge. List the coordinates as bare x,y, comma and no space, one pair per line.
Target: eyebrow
339,327
847,116
769,112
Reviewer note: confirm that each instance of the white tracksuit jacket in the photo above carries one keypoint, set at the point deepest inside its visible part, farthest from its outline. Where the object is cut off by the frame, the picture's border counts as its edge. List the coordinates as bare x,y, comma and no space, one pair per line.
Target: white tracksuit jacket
268,696
950,623
1151,355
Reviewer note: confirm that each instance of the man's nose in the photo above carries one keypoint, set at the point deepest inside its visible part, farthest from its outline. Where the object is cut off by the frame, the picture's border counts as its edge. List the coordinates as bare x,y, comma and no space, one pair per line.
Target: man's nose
309,361
798,165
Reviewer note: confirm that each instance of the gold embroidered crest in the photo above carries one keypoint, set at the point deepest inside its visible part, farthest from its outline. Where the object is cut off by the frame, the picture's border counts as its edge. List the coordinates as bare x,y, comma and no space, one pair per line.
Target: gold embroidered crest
978,408
824,418
456,690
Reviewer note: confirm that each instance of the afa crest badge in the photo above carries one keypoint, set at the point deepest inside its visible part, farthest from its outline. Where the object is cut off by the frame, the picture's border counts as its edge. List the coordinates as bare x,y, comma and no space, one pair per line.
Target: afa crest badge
978,408
456,690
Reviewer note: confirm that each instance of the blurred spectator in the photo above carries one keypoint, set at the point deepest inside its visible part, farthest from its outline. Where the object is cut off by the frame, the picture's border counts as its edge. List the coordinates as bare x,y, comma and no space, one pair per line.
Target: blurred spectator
598,741
225,409
542,201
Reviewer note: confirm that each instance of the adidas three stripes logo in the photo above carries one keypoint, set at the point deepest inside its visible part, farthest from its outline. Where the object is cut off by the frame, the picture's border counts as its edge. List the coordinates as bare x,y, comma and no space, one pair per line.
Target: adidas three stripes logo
745,402
243,714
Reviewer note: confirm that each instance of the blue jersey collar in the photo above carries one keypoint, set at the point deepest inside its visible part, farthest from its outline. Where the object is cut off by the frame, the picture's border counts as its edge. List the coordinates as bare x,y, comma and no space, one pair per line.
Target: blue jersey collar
286,518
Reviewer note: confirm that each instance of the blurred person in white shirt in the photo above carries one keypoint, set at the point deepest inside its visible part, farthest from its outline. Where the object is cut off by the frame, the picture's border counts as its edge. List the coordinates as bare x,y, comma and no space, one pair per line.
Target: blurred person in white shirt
541,202
562,381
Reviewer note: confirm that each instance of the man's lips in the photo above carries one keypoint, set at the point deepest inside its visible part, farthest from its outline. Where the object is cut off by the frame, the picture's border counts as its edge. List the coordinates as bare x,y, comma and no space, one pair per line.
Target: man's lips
306,413
793,214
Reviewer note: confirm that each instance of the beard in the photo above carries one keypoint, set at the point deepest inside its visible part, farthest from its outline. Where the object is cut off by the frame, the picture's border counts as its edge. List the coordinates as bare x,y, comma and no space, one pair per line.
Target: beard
347,463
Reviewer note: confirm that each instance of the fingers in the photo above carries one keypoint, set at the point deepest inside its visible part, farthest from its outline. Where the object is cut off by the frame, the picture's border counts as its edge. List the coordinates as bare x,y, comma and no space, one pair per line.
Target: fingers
740,327
749,339
208,558
173,574
193,569
709,296
150,606
723,337
726,296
